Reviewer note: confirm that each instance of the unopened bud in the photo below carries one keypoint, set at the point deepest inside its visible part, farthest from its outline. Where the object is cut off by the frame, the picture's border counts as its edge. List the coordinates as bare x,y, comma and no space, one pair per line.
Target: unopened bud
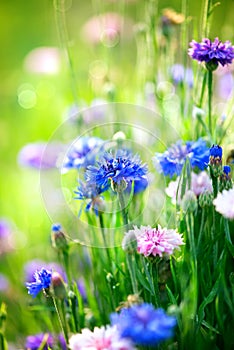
58,286
58,238
206,199
189,202
225,181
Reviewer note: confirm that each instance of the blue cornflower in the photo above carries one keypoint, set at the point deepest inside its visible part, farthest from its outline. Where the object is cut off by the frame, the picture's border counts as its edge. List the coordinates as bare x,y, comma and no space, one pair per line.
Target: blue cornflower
82,153
227,170
172,160
122,167
144,324
216,151
43,281
212,53
91,191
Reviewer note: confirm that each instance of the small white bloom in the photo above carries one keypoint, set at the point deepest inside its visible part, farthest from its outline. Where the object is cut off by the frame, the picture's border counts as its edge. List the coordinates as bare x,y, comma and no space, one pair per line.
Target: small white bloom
224,203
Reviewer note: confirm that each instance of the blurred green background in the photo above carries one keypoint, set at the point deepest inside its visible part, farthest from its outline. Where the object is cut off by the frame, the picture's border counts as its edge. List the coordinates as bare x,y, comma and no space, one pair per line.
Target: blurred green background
26,25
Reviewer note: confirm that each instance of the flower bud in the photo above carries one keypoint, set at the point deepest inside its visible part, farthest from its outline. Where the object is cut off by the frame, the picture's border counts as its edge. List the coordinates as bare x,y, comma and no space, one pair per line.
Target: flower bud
58,286
211,65
206,199
215,162
225,181
58,238
189,202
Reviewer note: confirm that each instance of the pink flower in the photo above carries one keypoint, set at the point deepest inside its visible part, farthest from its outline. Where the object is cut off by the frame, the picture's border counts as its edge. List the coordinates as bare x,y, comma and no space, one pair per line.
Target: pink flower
43,60
107,28
100,339
224,203
155,241
199,183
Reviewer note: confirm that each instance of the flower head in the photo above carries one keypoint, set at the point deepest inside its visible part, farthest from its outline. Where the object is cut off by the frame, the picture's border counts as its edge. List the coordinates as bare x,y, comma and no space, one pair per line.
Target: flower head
42,281
82,153
224,203
123,167
90,191
144,324
212,53
100,339
172,160
155,241
215,162
36,265
39,155
34,342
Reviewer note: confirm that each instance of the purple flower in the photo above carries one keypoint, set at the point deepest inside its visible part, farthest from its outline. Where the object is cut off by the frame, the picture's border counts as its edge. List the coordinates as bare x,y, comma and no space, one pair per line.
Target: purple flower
212,53
6,236
172,160
39,155
121,167
34,342
144,324
4,283
5,228
82,153
42,281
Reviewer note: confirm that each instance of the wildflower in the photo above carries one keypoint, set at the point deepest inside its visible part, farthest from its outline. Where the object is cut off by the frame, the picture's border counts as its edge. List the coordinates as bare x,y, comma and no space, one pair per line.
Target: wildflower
91,191
212,53
121,168
206,199
104,338
144,324
34,342
224,203
172,160
155,241
35,265
215,162
39,155
59,288
82,153
42,281
225,181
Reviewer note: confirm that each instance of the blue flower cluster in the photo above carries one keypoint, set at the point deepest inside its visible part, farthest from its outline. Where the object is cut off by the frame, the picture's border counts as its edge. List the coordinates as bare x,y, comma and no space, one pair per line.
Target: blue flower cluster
172,160
122,166
43,281
144,324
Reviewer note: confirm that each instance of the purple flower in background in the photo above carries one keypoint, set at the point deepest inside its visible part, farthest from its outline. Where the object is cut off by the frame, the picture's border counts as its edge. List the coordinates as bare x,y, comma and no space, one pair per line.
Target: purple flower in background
34,342
42,281
180,75
39,155
43,60
6,237
172,160
81,153
4,283
122,167
212,53
144,324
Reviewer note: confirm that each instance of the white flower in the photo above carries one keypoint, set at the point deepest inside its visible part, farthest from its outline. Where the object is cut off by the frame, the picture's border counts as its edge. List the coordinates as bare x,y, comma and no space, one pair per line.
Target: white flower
224,203
100,339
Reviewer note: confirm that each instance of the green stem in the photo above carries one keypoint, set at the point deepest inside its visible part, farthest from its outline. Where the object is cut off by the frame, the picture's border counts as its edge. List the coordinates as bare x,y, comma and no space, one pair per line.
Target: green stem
203,89
210,82
63,327
131,267
227,230
154,278
101,221
3,345
123,208
67,265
